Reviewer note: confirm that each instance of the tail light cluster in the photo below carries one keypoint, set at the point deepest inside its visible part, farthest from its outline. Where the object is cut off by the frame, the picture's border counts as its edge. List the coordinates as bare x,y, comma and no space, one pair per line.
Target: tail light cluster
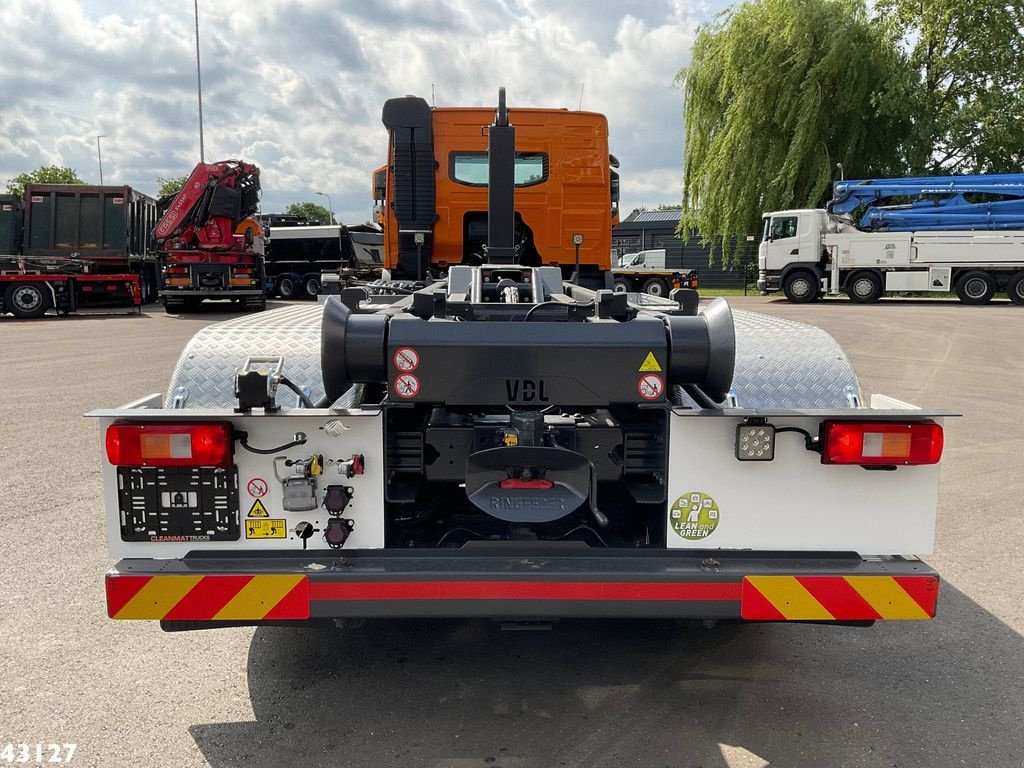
881,443
864,443
243,276
178,275
170,445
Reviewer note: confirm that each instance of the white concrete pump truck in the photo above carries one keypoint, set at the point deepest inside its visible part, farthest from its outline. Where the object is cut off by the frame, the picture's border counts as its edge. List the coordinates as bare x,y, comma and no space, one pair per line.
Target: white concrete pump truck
507,444
937,234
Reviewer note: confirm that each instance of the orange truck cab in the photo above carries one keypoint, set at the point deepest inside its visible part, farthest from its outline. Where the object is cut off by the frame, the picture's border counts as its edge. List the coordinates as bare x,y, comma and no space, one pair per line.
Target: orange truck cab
431,197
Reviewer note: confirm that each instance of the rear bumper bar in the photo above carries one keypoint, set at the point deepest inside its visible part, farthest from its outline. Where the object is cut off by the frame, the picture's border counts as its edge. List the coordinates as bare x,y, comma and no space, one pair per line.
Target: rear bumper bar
209,293
460,584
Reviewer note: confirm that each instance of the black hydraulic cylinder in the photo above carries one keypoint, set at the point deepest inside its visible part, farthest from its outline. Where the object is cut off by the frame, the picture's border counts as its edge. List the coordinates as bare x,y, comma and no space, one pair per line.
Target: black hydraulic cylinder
501,187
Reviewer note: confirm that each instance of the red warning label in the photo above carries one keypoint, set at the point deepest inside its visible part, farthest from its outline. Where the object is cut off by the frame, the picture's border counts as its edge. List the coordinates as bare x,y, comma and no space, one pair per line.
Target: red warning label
407,359
257,487
651,386
407,385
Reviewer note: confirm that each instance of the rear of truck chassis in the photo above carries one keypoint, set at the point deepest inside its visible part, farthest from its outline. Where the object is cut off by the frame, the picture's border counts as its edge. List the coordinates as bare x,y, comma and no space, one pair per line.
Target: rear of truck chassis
504,444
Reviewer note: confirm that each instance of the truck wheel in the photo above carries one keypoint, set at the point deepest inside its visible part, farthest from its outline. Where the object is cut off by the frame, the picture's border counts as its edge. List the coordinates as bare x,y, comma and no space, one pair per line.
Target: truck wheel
254,303
800,287
864,287
27,300
173,306
190,304
1015,289
655,286
311,286
976,287
286,287
622,285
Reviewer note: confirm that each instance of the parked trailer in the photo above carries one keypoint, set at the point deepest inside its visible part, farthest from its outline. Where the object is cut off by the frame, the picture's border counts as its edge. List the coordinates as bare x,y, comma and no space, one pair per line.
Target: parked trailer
651,272
97,230
297,256
31,295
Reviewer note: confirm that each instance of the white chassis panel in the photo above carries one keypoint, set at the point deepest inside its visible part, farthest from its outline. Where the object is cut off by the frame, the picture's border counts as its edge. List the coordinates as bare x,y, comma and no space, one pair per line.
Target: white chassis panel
795,503
363,434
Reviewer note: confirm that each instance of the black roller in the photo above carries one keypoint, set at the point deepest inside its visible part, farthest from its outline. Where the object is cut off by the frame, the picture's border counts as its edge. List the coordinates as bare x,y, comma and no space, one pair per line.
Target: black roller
352,348
702,350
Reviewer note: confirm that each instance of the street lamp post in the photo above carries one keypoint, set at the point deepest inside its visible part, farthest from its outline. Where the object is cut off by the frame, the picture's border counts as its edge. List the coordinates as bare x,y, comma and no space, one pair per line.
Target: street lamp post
330,205
199,86
99,155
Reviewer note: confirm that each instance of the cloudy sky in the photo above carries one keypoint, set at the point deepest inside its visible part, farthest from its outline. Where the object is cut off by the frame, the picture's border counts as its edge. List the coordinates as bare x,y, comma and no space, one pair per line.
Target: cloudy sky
297,87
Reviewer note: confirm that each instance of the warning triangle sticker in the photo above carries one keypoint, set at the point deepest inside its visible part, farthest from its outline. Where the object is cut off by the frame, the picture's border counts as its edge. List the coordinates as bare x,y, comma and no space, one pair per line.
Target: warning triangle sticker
650,364
258,510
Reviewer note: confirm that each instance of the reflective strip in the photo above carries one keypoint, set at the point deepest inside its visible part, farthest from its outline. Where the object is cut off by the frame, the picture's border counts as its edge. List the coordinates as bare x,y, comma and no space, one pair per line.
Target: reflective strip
158,597
888,598
201,598
257,598
838,598
789,597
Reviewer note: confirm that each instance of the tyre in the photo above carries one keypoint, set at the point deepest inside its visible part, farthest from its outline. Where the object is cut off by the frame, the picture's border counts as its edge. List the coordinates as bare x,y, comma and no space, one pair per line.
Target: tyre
800,287
655,286
287,287
311,286
621,285
27,300
172,306
975,287
1015,289
864,287
254,303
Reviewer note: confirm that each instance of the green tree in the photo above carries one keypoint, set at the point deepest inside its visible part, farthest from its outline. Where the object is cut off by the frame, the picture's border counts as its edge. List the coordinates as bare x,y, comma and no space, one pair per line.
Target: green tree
169,186
311,212
777,93
969,55
48,174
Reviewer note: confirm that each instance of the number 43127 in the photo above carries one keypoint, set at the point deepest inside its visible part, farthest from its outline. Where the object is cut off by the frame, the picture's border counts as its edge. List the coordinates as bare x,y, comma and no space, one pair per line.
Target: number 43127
37,753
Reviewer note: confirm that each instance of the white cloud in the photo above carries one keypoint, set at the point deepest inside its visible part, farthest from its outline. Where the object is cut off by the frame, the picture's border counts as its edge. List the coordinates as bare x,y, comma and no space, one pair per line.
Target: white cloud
298,87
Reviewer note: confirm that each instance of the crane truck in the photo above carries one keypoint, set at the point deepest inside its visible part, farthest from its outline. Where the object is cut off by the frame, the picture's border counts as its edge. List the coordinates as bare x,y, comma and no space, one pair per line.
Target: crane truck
507,443
209,245
877,236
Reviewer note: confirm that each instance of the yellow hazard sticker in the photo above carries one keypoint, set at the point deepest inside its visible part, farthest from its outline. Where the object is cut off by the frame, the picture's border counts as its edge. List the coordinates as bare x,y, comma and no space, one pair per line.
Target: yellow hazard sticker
266,529
650,363
257,510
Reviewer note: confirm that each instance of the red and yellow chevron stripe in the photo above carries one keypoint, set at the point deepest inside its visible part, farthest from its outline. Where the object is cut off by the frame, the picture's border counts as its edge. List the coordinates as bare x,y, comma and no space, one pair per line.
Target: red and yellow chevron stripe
838,598
206,598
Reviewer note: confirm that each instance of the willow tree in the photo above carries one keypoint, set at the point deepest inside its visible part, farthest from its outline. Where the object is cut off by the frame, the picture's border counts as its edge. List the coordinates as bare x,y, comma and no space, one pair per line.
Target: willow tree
777,93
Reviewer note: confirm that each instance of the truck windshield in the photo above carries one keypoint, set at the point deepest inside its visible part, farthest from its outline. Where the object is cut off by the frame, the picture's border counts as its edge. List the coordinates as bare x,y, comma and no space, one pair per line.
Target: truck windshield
783,227
471,168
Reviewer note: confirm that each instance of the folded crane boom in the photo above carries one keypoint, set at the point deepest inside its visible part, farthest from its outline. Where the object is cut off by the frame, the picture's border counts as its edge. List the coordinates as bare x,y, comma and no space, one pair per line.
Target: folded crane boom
938,203
209,244
919,234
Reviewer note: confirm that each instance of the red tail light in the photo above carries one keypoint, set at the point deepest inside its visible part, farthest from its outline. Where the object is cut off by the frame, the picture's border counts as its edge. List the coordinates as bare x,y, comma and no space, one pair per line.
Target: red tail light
881,443
170,445
177,270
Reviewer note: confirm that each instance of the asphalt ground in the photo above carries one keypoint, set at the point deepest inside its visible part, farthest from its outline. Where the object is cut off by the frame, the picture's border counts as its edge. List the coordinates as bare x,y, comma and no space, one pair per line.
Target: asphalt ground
461,694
